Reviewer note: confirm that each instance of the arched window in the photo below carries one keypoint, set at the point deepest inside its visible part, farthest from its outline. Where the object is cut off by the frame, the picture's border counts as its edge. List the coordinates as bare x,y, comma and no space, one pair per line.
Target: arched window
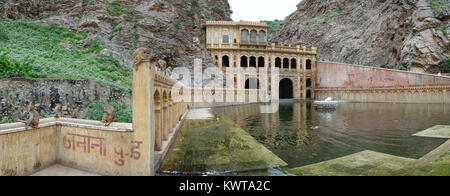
278,62
253,35
252,61
262,37
244,61
308,82
308,64
244,35
294,63
286,63
261,61
225,61
225,38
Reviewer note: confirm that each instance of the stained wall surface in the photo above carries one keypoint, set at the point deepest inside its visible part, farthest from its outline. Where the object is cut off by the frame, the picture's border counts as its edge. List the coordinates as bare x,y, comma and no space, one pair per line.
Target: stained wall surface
337,75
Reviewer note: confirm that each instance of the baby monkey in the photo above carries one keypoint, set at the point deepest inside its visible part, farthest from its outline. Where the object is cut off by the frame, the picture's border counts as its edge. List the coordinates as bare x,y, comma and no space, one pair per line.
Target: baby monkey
108,115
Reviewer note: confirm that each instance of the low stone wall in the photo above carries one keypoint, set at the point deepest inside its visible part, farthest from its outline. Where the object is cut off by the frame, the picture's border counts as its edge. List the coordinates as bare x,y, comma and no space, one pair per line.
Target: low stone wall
86,145
338,75
430,94
46,93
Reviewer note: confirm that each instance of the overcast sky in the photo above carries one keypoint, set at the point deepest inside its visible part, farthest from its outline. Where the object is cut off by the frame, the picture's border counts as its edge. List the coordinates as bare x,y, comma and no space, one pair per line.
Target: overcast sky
257,10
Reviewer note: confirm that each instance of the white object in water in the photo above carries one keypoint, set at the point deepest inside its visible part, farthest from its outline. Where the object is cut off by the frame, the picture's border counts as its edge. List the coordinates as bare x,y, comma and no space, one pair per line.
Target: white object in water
327,103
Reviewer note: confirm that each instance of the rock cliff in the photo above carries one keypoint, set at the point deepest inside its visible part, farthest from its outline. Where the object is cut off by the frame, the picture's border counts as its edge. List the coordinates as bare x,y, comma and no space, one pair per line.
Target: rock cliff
172,29
413,34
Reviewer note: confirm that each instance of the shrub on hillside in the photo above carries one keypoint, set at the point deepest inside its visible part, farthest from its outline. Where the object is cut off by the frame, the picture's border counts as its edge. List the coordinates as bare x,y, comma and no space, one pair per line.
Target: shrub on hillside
10,68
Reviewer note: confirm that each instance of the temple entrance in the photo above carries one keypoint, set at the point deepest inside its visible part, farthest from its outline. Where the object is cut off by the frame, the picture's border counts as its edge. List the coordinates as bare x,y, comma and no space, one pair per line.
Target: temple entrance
286,89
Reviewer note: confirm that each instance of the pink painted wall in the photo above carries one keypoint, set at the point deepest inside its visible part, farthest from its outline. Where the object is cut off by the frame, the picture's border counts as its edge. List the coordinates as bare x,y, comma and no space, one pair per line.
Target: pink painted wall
337,75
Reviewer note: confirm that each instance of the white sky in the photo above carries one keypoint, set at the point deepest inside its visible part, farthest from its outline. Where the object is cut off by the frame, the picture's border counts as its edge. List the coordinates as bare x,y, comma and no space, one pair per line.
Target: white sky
257,10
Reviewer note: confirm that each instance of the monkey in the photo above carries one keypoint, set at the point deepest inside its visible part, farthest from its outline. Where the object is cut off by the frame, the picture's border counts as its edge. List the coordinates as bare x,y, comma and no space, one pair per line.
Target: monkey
33,120
58,111
74,113
139,55
162,65
18,114
108,115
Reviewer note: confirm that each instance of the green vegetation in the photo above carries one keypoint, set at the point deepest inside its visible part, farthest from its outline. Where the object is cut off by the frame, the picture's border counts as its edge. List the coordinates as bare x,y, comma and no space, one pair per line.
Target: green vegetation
439,5
122,113
273,26
443,29
6,120
11,69
115,9
35,50
446,63
401,68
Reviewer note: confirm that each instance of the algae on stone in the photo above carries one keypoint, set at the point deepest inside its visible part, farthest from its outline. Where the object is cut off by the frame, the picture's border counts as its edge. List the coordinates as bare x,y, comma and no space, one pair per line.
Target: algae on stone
438,131
217,146
365,163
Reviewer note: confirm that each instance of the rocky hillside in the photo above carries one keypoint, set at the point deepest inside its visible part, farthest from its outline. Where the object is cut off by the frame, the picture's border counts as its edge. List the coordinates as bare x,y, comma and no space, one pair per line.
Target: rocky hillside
413,34
171,28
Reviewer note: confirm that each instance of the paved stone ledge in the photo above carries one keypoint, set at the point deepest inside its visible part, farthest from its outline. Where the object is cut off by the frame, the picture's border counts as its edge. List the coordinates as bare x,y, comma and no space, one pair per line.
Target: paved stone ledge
89,124
438,131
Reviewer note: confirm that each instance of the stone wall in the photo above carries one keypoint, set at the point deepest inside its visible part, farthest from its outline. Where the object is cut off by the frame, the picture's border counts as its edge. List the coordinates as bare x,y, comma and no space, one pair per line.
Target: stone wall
337,75
46,93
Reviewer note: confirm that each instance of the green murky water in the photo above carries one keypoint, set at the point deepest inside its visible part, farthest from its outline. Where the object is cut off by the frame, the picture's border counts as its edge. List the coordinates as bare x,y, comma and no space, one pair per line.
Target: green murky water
301,135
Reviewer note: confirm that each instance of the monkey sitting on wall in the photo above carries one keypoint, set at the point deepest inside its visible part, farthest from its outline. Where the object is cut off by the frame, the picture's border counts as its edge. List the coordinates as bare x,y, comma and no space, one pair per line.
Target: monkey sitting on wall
18,114
108,115
58,111
75,112
33,120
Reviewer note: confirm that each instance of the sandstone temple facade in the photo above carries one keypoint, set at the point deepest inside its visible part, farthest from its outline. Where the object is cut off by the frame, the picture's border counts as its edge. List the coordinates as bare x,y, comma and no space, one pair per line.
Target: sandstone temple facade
242,46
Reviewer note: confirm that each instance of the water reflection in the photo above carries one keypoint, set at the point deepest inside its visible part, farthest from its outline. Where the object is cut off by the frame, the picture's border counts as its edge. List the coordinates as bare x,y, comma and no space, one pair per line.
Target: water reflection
301,135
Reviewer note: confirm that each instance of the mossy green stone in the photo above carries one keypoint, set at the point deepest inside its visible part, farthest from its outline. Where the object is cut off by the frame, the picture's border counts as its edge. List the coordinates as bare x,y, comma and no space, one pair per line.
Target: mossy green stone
217,146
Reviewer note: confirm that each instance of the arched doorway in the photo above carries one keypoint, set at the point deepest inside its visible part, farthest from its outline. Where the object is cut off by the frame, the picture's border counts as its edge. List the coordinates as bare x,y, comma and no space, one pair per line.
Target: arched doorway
293,63
252,83
244,61
278,62
308,82
308,64
261,61
308,94
285,63
225,61
286,89
252,61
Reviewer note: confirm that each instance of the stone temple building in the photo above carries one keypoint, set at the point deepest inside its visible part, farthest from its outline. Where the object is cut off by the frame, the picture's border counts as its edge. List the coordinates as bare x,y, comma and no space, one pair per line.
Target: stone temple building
243,45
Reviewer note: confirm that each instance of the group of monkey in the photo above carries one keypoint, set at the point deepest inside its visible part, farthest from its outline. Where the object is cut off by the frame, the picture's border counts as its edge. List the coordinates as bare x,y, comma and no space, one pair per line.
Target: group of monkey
33,116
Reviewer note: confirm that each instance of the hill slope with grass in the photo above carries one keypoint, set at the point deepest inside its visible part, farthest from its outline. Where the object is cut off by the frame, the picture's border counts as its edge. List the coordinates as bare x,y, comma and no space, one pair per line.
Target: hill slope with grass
31,50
